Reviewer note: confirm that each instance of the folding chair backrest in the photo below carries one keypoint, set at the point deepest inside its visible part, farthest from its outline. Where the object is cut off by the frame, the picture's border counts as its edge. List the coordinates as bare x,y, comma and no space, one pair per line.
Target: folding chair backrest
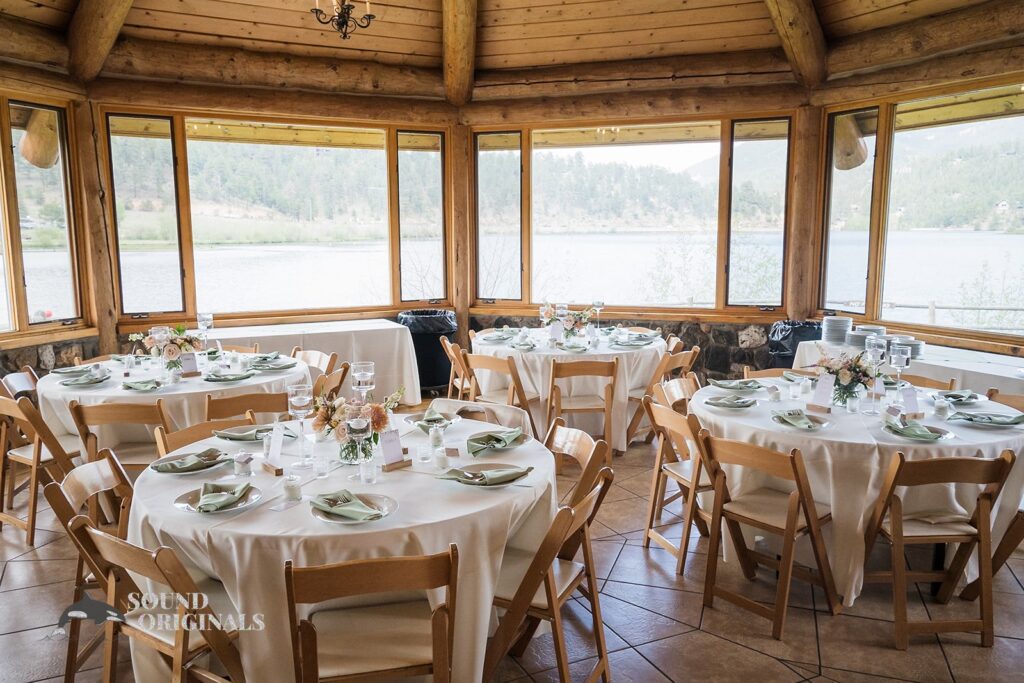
750,373
495,413
718,452
95,359
238,348
584,368
929,383
1015,401
167,442
84,484
682,361
21,383
678,432
480,361
20,421
119,413
644,330
323,362
234,406
590,454
331,384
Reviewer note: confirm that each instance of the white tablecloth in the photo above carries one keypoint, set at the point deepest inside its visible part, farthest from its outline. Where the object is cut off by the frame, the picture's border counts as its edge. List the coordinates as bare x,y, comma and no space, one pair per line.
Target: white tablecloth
636,366
247,550
386,343
184,402
847,462
975,370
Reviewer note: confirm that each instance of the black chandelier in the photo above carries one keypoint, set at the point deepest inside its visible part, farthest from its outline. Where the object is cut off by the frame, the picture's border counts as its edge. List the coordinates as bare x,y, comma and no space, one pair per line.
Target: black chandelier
342,20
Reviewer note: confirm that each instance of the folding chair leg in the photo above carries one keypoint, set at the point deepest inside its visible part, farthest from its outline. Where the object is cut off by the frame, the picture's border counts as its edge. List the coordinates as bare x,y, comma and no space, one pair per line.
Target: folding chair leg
748,565
634,424
899,589
654,505
1013,537
561,654
33,504
713,548
110,650
955,571
4,475
595,612
985,571
519,647
785,579
71,663
689,512
12,478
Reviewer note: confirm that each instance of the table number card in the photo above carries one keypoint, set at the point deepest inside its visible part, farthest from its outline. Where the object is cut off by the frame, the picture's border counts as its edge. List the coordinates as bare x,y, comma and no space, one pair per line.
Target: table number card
189,365
391,449
910,405
821,400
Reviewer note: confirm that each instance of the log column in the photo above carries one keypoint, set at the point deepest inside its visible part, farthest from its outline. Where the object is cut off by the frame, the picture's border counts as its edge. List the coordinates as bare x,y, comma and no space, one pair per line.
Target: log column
804,238
460,152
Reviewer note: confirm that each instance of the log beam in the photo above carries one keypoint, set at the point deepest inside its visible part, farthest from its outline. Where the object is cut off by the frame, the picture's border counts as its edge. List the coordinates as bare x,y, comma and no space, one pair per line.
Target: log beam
91,34
915,41
27,43
765,67
215,65
803,239
459,47
798,27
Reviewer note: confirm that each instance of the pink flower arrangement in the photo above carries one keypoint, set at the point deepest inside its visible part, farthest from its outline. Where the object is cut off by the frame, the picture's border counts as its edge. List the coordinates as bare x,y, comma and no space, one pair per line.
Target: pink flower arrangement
177,343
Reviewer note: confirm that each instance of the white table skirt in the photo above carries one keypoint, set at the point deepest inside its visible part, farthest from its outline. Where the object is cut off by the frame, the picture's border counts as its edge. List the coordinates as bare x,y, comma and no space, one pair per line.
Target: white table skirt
247,550
847,462
386,343
976,370
636,366
184,402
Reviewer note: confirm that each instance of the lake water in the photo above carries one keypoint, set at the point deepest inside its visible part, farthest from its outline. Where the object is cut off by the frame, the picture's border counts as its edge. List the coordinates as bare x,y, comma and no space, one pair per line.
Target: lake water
950,268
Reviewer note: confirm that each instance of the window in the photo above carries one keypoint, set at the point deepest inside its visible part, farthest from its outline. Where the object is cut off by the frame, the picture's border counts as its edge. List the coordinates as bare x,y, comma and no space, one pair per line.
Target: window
954,243
288,217
499,216
626,215
421,215
146,214
43,213
850,183
757,217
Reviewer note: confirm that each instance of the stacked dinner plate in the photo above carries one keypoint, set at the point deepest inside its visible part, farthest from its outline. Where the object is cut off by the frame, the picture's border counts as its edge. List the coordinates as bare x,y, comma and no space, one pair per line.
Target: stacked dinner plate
916,347
835,327
858,338
871,329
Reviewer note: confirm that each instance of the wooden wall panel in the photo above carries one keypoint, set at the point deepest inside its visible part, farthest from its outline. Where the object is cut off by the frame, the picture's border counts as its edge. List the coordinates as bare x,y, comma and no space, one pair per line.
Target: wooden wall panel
840,18
52,13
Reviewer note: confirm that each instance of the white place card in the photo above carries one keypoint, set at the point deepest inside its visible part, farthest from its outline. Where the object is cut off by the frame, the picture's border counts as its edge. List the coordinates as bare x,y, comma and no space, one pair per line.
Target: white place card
893,415
391,447
910,404
276,443
821,399
189,365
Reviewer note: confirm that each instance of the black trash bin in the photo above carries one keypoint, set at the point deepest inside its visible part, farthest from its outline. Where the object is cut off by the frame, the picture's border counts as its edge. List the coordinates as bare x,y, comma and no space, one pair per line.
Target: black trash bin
786,335
427,326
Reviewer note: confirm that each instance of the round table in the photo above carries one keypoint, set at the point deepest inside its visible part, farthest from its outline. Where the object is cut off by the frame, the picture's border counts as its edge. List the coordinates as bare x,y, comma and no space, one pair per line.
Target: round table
184,402
636,366
847,461
246,550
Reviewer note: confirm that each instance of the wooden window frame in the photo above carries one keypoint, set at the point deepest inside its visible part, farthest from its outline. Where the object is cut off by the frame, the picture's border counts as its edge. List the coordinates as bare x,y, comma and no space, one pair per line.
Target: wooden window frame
395,198
524,222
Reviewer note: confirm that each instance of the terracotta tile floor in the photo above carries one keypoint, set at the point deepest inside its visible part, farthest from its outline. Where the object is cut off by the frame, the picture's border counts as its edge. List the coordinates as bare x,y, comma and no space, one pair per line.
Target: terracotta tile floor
656,625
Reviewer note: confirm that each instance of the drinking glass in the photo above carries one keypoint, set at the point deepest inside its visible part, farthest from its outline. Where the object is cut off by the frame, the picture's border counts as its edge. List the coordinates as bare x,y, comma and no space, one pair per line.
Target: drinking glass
363,378
204,321
874,348
424,454
899,359
597,305
358,429
300,405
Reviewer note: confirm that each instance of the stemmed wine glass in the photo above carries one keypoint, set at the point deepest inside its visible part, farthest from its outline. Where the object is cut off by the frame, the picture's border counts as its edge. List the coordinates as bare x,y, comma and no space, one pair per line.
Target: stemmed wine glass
875,351
597,306
300,405
899,359
204,321
363,378
357,427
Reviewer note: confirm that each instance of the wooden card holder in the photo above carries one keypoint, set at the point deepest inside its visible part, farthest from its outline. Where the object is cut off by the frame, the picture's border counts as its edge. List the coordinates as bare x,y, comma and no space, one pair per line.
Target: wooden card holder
401,464
192,374
815,408
272,469
451,452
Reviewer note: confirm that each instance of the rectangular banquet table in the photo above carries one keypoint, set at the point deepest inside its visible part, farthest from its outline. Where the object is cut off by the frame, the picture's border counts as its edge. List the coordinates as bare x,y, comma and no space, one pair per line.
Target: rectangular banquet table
975,370
386,343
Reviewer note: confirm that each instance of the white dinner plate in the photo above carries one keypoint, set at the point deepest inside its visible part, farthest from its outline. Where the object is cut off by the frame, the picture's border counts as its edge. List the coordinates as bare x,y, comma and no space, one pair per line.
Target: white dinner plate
188,501
385,504
821,423
413,418
944,434
483,467
172,458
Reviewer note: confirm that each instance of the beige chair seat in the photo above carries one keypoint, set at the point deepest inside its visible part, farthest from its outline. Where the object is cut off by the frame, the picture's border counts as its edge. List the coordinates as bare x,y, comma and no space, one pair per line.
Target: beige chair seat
514,566
68,442
583,402
922,527
135,452
769,506
360,639
159,622
684,469
501,396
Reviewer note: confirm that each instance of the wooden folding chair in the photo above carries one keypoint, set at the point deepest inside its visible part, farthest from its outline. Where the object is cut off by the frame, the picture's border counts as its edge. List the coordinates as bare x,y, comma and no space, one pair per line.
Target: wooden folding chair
474,333
676,393
644,330
95,359
673,344
1015,401
576,445
535,586
396,640
495,413
676,432
21,383
603,403
197,629
218,408
670,364
133,455
514,395
316,359
751,373
238,348
26,441
889,521
330,385
929,383
458,380
789,515
167,442
83,488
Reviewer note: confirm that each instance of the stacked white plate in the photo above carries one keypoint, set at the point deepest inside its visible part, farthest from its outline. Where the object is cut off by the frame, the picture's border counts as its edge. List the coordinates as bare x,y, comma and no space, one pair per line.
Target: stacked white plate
871,329
835,327
858,338
916,347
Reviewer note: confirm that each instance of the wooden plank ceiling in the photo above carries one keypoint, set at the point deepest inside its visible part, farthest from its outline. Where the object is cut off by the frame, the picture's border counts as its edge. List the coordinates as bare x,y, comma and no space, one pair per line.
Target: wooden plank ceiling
841,18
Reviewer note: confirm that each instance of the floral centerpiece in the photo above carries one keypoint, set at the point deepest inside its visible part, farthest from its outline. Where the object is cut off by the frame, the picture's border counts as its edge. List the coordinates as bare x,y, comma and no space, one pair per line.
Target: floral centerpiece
548,314
170,347
576,322
330,416
851,372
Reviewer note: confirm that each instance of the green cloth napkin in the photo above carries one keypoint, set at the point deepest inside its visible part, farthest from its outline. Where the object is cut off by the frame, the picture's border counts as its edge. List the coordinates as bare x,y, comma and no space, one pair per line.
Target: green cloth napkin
989,418
141,385
730,401
344,504
215,497
430,419
495,477
913,430
71,370
634,342
796,418
229,378
84,380
192,462
212,353
254,433
498,336
280,364
959,396
267,357
736,384
793,377
481,442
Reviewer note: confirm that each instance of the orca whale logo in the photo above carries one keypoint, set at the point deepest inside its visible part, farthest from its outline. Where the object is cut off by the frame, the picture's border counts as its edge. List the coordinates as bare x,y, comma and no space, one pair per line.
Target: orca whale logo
87,608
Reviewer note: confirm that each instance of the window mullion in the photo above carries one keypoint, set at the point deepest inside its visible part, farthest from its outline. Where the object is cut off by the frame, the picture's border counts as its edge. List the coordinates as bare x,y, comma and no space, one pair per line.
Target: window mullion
879,202
185,246
16,267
